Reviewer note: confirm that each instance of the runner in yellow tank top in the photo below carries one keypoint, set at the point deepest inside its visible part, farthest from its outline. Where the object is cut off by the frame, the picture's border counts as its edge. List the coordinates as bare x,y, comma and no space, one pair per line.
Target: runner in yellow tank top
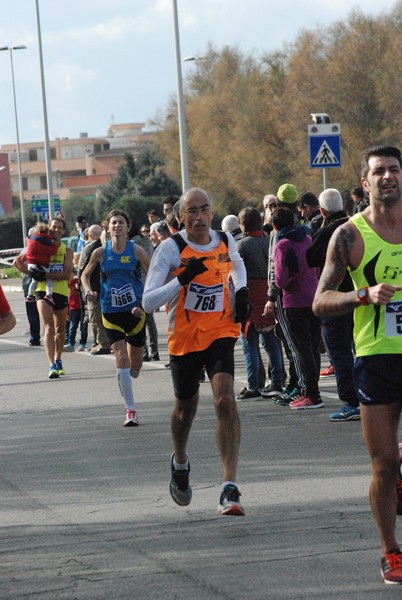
53,316
370,245
190,274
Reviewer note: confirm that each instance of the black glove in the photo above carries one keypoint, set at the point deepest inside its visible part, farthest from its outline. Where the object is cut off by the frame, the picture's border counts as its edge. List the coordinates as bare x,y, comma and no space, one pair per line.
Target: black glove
242,305
194,267
38,274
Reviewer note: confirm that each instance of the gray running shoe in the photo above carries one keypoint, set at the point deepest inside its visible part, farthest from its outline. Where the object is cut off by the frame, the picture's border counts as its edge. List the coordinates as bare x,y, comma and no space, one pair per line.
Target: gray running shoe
246,394
271,390
179,487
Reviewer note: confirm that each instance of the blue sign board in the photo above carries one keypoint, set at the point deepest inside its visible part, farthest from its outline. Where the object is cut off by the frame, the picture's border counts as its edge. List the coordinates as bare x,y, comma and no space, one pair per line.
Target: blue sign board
325,151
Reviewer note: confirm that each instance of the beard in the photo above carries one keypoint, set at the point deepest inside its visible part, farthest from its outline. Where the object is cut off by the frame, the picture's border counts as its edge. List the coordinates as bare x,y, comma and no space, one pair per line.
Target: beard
389,199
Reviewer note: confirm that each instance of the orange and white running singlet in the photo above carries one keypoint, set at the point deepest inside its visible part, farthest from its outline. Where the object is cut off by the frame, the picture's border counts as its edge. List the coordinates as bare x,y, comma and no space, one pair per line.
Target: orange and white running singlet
201,312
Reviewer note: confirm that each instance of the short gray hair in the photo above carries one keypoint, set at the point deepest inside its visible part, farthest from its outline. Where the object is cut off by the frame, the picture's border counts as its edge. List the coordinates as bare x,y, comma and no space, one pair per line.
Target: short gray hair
331,200
194,190
161,227
230,223
95,230
269,199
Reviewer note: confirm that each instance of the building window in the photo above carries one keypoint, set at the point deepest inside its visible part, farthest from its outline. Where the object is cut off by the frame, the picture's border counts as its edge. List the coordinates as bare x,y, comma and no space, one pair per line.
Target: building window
106,146
25,184
53,153
33,155
43,182
81,173
97,147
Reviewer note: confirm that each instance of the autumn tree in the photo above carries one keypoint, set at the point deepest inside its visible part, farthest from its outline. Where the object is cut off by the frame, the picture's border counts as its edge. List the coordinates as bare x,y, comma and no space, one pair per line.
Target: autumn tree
247,117
139,185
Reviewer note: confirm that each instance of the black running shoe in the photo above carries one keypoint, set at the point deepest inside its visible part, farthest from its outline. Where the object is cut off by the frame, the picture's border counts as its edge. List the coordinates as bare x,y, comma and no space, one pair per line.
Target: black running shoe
229,502
288,396
180,488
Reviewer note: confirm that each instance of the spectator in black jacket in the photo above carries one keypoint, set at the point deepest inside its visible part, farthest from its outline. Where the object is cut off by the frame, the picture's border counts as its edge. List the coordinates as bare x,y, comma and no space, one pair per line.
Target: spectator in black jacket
338,331
309,209
359,198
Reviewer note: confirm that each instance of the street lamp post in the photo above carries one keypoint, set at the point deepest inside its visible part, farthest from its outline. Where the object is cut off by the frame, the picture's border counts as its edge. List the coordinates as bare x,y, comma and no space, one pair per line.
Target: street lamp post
45,121
23,219
180,103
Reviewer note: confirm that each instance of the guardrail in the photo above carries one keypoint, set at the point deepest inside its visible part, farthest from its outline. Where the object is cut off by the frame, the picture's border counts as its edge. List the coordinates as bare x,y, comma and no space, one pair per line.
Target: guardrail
7,256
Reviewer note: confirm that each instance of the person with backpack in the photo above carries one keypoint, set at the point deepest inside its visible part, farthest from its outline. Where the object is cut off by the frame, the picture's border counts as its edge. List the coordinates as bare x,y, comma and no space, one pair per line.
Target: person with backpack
189,273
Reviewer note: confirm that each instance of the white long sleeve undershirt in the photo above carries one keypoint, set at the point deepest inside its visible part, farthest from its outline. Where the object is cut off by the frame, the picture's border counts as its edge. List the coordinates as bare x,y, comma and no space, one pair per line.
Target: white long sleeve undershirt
161,286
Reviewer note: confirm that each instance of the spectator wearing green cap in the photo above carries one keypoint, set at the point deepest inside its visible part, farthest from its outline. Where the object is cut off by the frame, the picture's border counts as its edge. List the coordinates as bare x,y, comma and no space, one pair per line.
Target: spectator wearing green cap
287,197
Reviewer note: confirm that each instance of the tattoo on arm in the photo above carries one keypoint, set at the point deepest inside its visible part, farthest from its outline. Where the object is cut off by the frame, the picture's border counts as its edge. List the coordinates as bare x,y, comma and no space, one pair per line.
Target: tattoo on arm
336,264
337,260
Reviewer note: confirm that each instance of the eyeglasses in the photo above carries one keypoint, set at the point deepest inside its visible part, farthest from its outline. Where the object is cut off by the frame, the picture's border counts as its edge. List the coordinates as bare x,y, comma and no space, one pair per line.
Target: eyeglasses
193,212
272,205
145,230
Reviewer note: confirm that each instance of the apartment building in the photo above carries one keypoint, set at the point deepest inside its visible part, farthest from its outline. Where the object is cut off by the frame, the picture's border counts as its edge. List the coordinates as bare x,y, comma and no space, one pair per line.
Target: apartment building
79,166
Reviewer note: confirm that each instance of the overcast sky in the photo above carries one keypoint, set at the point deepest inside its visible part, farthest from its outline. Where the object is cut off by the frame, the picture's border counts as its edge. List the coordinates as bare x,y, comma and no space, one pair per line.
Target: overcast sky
111,61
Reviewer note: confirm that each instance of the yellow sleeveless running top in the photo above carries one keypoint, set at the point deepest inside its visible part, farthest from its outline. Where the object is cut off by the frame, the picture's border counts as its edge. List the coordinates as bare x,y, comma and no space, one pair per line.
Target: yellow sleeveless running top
56,265
377,329
201,312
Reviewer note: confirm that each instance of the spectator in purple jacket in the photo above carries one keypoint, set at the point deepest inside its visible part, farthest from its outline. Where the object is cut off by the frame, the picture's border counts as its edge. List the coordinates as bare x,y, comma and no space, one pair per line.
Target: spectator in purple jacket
298,283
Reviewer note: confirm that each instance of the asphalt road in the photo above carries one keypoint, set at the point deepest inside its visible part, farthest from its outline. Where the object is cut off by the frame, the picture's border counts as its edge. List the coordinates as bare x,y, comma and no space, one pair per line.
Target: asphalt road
85,507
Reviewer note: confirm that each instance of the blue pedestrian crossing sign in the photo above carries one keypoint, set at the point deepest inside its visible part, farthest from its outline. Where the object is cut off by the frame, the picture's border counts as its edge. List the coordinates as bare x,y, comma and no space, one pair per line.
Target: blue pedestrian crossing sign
324,146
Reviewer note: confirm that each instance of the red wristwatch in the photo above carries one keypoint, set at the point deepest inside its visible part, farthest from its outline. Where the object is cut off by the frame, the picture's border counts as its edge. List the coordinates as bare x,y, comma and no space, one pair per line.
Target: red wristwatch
362,296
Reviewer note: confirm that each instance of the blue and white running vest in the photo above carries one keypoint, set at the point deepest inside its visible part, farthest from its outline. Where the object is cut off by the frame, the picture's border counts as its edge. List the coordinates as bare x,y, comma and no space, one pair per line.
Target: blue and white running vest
121,288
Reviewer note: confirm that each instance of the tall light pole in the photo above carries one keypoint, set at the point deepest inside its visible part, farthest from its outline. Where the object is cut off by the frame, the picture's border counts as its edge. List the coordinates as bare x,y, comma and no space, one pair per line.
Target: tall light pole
23,219
180,103
47,144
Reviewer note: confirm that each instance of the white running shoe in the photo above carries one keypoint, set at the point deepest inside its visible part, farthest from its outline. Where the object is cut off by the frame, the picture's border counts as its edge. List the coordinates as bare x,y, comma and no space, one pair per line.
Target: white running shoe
131,419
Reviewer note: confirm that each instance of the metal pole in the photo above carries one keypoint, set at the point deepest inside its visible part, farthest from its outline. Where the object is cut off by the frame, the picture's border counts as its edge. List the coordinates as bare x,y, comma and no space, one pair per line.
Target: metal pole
325,178
180,103
47,145
23,219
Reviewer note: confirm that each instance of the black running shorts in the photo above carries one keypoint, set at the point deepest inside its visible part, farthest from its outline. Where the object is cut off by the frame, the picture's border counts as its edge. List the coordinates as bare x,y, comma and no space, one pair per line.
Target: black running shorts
186,369
59,300
124,326
378,378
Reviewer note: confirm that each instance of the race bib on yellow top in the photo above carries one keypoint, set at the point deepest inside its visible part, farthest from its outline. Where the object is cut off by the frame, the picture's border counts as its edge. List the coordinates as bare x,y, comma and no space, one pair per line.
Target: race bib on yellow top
123,296
204,299
393,319
56,267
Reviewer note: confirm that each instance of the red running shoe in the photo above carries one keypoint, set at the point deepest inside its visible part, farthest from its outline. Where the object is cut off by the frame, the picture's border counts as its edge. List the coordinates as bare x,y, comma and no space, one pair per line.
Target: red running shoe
391,567
327,372
399,485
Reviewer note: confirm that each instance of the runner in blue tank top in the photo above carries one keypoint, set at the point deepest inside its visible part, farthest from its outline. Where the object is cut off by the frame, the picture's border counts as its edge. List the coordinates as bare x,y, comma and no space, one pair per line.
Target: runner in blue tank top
120,297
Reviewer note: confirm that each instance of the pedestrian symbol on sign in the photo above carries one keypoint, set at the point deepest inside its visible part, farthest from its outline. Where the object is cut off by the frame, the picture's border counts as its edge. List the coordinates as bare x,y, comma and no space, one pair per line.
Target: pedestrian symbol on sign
325,156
